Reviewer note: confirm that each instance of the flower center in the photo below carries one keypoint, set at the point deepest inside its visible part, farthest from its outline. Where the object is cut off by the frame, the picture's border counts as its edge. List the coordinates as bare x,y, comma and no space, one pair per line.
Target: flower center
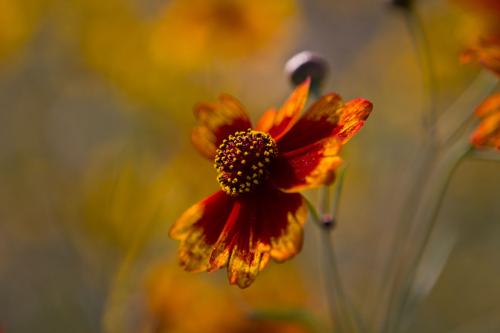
243,159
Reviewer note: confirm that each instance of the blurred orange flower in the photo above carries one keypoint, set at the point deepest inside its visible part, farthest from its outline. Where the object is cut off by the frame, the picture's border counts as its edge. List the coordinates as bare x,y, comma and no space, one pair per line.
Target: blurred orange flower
485,49
257,214
174,298
487,134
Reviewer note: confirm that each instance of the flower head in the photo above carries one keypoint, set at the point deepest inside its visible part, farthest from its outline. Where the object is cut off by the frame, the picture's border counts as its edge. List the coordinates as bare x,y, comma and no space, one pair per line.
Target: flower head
487,134
258,214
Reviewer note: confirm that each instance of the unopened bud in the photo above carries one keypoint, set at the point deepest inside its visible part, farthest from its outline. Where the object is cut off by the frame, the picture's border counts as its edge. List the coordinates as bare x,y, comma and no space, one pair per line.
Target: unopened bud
404,4
307,64
327,221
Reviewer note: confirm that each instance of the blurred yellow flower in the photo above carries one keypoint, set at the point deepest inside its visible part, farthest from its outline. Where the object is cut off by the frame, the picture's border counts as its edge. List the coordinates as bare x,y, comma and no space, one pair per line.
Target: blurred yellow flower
18,20
485,47
192,33
149,56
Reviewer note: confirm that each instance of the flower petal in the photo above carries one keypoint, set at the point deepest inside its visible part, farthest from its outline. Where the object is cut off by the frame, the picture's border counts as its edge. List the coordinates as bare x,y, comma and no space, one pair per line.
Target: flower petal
241,233
199,228
327,117
279,123
352,117
307,167
317,123
489,105
270,226
487,134
216,122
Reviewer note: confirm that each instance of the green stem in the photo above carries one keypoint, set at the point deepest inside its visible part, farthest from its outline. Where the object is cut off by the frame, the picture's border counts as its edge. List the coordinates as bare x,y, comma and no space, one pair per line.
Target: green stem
451,122
424,165
112,321
422,48
426,216
485,155
341,313
397,258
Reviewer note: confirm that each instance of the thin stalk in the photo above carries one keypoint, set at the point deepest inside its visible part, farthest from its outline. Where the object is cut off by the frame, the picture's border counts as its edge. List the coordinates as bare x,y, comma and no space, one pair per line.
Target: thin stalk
485,155
452,121
427,216
397,257
421,44
112,315
341,313
422,167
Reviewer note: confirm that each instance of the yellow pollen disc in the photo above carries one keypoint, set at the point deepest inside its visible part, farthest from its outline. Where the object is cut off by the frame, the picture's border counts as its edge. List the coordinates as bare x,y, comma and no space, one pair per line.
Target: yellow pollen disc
242,156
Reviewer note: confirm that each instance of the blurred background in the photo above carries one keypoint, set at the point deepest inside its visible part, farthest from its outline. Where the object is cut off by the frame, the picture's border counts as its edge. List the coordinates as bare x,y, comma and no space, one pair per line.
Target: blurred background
96,163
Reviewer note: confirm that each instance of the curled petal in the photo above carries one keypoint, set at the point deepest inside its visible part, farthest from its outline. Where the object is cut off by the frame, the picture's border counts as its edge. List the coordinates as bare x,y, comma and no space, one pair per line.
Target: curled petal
216,121
307,167
488,106
278,123
352,117
327,117
487,134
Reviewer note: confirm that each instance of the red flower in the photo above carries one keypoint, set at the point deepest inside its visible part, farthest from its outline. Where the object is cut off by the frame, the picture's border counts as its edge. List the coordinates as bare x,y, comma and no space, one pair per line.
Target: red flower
257,214
487,134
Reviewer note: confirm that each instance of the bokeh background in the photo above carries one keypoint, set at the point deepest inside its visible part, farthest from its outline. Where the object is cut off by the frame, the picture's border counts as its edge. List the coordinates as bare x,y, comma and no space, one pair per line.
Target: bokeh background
95,161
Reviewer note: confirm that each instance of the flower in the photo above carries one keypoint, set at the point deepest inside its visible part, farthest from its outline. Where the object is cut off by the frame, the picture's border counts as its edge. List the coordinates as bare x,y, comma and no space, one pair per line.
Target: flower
19,20
486,51
257,215
173,45
485,48
218,29
487,134
172,298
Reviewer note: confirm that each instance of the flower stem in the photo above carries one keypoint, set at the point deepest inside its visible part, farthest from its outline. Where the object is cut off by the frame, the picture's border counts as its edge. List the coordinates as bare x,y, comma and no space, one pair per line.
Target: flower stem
426,215
422,48
342,316
424,165
485,155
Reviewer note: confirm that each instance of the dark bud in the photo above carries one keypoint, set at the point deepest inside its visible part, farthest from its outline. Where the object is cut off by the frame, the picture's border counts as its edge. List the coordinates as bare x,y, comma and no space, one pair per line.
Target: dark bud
307,64
327,221
403,4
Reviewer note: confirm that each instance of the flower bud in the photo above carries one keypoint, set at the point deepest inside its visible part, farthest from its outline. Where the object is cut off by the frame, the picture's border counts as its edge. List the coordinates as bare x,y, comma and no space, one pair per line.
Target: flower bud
307,64
404,4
